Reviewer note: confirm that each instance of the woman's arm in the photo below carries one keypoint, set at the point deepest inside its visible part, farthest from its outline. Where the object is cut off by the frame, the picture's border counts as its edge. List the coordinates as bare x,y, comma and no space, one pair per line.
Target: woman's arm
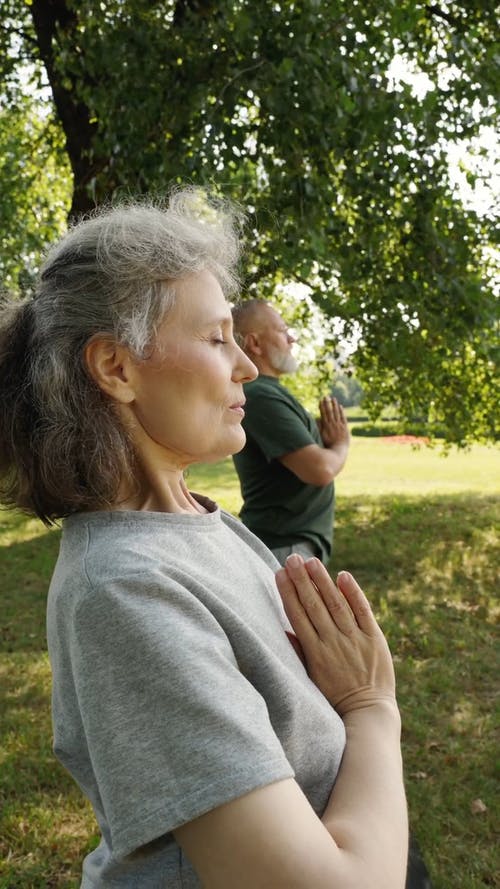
272,837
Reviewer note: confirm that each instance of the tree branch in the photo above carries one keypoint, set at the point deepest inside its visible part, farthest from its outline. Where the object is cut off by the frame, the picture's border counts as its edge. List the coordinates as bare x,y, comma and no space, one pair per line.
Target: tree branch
183,8
240,74
434,10
19,32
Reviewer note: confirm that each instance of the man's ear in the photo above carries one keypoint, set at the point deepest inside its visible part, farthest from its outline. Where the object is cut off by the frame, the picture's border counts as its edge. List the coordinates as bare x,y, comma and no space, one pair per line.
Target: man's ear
110,365
251,344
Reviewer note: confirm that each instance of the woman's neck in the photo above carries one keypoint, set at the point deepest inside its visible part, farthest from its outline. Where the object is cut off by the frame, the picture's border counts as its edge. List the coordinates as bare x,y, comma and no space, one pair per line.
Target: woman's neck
166,491
158,481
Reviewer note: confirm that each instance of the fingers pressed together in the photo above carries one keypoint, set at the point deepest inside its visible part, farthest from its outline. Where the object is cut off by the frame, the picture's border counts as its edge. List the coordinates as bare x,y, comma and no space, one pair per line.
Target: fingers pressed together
308,589
345,652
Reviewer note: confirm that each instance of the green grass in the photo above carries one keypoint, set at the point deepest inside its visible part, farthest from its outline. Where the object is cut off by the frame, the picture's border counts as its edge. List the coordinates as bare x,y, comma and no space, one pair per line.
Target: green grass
378,467
420,533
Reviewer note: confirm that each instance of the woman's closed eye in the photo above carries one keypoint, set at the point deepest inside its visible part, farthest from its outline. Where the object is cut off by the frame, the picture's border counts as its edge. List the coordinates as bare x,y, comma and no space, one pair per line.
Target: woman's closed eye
217,337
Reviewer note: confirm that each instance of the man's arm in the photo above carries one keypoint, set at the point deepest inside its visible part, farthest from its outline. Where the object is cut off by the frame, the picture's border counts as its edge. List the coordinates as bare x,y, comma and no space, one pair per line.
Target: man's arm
315,465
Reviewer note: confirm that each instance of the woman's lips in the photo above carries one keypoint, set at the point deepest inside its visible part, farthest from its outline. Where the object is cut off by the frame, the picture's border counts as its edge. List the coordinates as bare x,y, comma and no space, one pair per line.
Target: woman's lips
238,408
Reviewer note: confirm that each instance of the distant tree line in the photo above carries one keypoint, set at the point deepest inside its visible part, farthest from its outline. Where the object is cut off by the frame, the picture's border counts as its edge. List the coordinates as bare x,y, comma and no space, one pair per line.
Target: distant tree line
347,390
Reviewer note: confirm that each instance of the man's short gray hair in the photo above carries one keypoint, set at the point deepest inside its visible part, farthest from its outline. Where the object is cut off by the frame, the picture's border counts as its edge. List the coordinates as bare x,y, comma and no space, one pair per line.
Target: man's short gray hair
244,316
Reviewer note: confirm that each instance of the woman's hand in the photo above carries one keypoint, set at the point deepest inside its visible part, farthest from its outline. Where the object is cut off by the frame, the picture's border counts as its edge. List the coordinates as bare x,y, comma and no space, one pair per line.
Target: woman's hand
345,651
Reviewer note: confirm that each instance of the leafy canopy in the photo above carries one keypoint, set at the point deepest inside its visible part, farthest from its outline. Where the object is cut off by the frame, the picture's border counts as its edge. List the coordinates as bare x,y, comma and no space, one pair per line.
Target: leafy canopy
290,109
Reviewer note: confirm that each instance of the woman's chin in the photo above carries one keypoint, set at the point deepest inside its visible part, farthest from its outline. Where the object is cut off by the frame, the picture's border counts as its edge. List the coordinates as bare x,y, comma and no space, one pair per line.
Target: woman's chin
227,450
238,446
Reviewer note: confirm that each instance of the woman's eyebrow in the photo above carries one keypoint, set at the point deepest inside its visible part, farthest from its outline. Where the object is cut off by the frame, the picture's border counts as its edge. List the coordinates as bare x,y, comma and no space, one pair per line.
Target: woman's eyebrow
217,321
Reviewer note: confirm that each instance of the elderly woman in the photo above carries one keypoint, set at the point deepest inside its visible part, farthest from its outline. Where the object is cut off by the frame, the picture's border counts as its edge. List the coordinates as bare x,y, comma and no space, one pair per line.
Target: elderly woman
223,740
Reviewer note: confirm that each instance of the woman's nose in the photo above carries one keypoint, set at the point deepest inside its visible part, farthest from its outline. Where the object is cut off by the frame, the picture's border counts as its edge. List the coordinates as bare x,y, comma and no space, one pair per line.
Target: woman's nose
244,370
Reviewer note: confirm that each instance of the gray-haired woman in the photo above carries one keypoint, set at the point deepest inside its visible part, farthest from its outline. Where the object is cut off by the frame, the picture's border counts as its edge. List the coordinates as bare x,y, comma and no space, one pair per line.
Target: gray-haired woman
213,751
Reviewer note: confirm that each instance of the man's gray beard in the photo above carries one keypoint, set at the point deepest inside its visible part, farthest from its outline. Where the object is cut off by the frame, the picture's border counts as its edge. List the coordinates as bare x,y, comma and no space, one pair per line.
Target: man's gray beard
284,362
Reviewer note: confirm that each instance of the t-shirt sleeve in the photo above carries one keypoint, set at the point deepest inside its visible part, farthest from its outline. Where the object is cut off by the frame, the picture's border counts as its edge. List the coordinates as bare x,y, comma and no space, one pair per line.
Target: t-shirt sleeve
172,726
275,425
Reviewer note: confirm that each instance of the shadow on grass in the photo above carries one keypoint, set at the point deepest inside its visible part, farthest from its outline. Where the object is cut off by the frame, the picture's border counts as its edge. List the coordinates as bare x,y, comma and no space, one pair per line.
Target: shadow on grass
429,566
26,571
395,539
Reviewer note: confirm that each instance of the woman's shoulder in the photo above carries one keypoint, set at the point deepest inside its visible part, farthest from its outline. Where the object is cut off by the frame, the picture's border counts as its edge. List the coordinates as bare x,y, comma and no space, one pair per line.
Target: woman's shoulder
121,537
107,550
130,557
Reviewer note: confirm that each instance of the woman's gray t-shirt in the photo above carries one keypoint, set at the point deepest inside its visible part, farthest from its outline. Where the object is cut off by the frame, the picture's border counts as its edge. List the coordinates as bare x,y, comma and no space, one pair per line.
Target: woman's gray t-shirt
175,687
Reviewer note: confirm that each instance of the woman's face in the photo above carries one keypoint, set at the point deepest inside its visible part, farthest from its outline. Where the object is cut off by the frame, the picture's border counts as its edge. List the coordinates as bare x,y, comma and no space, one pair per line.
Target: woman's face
189,394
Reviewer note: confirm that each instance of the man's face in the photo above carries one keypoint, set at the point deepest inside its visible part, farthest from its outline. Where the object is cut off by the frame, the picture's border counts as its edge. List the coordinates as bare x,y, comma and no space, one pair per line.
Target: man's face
276,341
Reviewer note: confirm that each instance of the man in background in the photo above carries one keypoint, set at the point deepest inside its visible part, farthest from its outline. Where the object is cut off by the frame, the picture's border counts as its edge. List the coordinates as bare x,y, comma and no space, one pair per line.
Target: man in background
288,464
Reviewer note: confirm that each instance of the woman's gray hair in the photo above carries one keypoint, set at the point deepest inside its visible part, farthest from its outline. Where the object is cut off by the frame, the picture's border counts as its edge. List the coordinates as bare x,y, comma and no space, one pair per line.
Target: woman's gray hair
62,447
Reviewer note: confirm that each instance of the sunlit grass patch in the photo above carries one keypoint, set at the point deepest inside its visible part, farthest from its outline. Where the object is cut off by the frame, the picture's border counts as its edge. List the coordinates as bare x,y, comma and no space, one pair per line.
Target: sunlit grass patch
45,822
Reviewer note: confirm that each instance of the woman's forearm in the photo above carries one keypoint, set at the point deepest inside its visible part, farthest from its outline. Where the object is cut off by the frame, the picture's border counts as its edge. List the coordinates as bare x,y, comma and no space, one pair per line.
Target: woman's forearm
271,836
366,814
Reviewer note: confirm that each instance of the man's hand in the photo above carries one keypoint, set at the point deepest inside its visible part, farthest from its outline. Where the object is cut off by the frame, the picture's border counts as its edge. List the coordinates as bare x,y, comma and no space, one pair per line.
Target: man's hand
332,423
316,465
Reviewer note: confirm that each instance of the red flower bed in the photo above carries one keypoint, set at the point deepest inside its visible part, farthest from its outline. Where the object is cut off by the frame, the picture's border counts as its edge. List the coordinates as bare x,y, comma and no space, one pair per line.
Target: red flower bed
405,439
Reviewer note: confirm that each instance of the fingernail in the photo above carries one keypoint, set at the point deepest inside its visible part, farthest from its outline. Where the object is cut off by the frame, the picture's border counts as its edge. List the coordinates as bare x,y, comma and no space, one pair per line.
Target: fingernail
344,575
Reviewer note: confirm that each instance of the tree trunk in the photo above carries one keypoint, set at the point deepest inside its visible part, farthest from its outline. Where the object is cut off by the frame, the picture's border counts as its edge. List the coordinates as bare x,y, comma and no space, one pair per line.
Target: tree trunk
51,19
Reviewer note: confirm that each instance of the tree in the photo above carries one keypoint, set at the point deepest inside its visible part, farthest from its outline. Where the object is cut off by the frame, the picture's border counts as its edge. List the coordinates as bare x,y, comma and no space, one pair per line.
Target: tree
289,109
36,193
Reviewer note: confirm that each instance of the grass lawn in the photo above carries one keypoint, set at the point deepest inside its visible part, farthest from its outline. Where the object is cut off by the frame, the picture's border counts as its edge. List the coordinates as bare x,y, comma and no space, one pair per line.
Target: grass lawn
420,533
377,466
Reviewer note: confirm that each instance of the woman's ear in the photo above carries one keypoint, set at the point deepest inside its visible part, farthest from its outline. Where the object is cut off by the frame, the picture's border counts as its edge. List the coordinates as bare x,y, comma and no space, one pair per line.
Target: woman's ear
111,366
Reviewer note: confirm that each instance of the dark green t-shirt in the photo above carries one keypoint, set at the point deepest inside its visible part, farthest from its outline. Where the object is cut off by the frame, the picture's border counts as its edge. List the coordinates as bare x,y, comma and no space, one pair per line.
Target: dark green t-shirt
277,506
